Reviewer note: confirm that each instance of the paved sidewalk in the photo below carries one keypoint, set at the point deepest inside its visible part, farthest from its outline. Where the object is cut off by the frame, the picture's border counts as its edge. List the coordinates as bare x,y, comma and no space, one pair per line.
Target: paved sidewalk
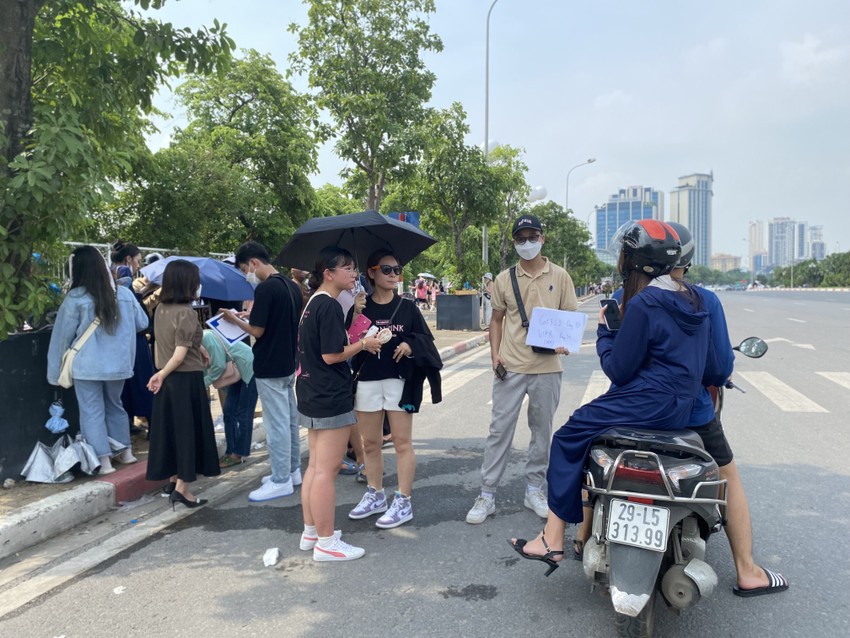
32,513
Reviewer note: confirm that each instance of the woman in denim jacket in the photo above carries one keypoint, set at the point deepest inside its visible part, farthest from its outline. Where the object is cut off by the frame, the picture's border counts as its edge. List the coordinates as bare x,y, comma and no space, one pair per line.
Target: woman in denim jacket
106,359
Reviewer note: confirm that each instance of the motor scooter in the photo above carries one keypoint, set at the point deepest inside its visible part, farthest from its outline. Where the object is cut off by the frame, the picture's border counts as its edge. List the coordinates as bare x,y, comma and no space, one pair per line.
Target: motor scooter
656,496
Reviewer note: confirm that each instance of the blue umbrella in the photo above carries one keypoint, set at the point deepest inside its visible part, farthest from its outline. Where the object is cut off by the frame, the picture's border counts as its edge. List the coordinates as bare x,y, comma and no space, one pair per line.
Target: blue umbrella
219,280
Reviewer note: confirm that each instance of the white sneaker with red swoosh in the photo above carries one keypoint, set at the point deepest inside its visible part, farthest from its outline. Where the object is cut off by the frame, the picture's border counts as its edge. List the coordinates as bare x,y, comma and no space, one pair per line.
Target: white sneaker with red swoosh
337,550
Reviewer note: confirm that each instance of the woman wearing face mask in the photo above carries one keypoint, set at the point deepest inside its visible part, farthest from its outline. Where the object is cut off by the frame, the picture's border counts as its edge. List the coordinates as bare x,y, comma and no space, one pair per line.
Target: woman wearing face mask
182,437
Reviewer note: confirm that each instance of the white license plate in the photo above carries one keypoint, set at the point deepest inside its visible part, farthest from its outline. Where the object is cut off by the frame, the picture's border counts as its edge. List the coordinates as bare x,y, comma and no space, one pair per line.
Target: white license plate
638,525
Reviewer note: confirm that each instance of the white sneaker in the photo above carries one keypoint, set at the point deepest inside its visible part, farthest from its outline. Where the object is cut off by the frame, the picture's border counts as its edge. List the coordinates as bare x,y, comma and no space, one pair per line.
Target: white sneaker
338,551
295,476
309,542
126,456
266,479
536,501
483,507
105,465
271,490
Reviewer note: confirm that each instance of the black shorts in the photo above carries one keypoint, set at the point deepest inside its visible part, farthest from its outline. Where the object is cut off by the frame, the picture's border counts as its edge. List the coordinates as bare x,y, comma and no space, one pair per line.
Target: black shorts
714,441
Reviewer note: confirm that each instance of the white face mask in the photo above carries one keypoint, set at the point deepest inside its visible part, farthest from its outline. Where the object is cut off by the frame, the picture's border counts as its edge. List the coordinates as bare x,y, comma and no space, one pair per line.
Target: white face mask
252,279
528,251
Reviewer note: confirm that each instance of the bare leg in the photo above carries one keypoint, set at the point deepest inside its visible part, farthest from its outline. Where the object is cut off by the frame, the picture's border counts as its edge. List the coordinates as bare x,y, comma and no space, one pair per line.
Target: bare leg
183,487
553,531
371,428
320,494
402,427
307,479
357,443
739,530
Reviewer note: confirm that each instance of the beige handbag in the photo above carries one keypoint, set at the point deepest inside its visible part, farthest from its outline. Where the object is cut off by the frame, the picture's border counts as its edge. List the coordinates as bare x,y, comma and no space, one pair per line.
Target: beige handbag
66,378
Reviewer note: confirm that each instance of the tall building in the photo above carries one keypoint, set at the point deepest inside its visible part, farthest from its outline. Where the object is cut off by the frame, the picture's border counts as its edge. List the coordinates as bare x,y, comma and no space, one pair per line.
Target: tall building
817,246
801,241
628,204
781,235
756,243
690,205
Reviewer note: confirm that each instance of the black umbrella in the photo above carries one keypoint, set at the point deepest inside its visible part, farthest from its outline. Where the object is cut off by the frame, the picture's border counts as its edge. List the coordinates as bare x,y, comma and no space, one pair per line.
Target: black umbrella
359,233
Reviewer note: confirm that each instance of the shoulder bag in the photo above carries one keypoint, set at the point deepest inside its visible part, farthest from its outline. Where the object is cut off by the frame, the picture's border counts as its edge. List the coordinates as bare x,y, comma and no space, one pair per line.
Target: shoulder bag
522,315
66,378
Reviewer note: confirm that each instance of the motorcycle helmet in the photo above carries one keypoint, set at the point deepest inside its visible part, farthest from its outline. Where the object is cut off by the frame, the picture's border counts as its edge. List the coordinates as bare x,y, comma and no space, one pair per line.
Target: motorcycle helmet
649,246
688,245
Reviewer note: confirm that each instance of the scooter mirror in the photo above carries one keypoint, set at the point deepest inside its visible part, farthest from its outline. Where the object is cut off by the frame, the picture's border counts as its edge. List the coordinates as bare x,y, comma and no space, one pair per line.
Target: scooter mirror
752,347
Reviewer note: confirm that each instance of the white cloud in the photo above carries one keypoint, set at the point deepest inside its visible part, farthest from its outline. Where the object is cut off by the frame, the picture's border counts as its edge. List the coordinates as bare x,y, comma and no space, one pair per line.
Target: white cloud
809,61
612,99
707,51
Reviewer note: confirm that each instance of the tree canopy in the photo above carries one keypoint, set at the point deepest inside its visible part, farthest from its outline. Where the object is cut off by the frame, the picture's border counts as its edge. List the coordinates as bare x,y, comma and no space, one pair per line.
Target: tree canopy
364,58
76,83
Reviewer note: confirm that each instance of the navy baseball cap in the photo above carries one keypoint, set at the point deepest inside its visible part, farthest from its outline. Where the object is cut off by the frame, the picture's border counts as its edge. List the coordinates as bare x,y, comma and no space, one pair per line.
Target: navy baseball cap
526,221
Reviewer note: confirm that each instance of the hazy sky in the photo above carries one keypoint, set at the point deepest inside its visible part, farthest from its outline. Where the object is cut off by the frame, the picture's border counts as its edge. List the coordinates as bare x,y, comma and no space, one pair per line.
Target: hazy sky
757,91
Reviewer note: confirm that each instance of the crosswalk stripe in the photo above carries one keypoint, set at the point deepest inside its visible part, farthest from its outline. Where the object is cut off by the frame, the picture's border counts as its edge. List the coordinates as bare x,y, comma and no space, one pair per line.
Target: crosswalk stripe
781,394
596,385
841,378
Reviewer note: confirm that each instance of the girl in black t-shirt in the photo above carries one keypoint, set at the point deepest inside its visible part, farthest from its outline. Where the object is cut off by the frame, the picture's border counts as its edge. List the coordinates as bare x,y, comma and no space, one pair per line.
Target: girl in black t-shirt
379,391
325,401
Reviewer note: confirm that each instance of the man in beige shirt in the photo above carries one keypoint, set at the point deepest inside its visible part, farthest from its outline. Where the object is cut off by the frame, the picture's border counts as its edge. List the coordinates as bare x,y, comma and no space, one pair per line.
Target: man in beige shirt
521,372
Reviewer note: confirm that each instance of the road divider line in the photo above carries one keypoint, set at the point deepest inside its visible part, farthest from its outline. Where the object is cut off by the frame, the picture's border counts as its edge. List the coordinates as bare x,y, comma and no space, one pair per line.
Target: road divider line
780,394
841,378
596,385
797,320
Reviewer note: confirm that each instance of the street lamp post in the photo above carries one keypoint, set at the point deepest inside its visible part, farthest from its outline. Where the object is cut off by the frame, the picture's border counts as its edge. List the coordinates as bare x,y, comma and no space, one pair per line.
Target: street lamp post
567,198
485,248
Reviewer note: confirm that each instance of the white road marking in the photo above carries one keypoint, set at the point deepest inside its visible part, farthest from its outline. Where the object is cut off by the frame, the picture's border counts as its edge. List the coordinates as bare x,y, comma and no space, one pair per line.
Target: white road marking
749,310
463,376
781,394
596,385
841,378
777,339
797,320
806,346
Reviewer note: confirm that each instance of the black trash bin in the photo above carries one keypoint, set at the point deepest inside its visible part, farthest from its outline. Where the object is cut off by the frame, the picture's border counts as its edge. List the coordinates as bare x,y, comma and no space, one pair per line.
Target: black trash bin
25,397
458,312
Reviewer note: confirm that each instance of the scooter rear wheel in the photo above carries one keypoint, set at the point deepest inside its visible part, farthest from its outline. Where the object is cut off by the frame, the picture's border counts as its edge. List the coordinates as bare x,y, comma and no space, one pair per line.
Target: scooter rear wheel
639,626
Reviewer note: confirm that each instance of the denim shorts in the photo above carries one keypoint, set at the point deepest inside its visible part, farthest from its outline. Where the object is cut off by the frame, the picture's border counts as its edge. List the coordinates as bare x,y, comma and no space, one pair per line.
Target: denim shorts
327,422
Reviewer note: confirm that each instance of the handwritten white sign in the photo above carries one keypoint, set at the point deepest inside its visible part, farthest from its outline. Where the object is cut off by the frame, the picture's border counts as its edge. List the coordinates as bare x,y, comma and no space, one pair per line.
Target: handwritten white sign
554,328
228,331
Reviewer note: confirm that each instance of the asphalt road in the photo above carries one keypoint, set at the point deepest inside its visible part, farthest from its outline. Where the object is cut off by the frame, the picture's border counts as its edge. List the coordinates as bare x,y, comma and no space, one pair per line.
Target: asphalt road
201,574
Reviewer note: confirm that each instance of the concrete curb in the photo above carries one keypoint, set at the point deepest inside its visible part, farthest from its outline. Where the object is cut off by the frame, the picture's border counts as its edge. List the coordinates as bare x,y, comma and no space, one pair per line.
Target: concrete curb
459,348
49,517
53,515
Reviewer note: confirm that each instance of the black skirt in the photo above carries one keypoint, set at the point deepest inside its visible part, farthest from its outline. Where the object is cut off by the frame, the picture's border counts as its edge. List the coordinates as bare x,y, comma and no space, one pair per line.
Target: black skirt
182,438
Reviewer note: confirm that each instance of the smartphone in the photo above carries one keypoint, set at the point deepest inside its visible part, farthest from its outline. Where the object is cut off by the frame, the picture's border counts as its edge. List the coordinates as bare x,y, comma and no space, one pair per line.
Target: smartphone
501,372
612,313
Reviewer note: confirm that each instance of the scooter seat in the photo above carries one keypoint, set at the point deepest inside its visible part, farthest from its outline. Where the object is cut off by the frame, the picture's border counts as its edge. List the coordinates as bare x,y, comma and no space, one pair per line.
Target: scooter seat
683,441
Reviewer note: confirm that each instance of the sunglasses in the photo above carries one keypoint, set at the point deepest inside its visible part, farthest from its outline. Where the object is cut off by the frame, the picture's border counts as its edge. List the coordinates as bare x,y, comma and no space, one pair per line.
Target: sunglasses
386,269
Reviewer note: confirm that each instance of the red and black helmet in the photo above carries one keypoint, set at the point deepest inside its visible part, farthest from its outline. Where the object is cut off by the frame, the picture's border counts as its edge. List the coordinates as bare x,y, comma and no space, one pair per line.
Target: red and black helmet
649,246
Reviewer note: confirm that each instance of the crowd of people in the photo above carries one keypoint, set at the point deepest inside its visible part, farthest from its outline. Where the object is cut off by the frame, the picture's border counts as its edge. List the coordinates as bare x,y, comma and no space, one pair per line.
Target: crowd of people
343,355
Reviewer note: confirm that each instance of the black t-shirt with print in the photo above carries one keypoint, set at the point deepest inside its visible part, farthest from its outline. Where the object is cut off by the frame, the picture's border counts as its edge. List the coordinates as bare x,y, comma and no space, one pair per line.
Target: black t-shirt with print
277,306
407,320
322,390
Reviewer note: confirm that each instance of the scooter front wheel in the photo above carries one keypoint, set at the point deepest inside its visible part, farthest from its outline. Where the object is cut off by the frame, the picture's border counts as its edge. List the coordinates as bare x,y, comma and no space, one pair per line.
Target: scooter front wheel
639,626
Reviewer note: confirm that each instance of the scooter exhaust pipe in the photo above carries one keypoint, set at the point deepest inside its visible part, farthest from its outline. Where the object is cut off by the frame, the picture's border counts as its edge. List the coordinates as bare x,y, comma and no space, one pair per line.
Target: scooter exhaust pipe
683,585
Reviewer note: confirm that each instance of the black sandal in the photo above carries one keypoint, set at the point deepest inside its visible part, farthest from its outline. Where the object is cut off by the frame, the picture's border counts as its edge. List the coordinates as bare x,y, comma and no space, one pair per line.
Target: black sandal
547,558
578,550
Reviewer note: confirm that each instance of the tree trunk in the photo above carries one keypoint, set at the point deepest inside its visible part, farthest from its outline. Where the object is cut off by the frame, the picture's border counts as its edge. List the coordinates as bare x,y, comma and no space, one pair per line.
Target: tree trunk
16,29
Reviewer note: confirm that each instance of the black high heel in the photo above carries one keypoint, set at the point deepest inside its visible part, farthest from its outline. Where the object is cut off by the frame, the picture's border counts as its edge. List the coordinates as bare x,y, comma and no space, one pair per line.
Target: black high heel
545,558
168,489
177,497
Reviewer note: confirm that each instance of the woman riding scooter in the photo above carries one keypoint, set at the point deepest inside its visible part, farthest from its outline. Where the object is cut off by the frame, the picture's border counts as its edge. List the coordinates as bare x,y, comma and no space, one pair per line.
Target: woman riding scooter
655,362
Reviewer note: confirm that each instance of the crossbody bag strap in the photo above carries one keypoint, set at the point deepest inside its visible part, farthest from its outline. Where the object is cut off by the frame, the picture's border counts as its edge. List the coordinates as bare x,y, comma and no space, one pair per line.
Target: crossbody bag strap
85,336
520,306
227,354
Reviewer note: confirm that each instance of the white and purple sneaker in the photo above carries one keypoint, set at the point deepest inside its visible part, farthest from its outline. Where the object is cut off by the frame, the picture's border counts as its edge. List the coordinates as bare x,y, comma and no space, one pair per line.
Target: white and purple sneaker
373,502
399,513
